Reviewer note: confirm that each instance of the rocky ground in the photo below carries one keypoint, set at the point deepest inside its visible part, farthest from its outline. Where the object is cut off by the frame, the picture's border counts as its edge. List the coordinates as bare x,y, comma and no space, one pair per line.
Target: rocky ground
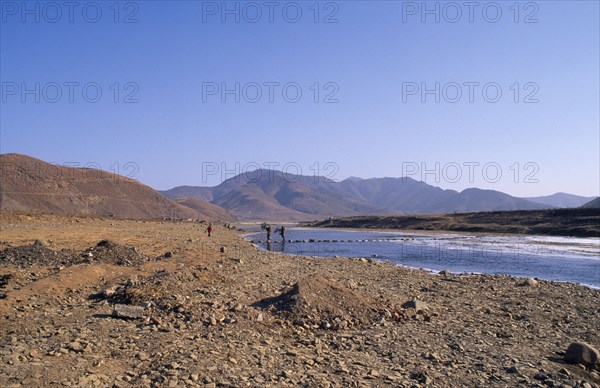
104,302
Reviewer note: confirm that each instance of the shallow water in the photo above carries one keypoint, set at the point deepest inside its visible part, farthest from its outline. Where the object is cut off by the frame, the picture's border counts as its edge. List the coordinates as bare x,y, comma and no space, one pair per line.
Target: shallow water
567,259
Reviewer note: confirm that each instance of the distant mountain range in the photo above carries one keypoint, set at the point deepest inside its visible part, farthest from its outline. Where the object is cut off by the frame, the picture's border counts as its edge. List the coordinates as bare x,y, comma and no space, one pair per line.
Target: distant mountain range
32,185
561,200
272,195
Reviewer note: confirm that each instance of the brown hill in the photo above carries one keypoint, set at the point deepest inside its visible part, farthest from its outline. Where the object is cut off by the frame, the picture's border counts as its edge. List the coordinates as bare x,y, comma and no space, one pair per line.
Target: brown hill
252,204
32,185
210,211
273,195
593,204
270,195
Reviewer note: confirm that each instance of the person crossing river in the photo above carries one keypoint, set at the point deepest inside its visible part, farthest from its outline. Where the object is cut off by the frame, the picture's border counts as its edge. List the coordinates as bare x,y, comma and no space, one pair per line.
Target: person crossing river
282,233
266,227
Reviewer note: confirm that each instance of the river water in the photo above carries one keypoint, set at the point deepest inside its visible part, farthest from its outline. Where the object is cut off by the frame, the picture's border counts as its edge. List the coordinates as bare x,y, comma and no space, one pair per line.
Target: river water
569,259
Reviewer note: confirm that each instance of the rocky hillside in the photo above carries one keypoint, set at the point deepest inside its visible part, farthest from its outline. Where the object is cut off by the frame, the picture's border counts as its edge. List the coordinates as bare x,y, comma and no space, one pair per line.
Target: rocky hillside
593,204
32,185
272,195
406,195
207,209
265,194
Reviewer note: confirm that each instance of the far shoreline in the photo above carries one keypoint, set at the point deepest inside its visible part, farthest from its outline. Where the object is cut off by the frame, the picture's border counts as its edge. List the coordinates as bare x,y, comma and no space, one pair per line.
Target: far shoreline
302,226
576,222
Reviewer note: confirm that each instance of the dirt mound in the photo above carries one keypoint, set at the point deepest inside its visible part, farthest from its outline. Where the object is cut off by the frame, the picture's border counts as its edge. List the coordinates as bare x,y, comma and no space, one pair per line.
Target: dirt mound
165,297
323,302
113,253
161,286
38,254
155,294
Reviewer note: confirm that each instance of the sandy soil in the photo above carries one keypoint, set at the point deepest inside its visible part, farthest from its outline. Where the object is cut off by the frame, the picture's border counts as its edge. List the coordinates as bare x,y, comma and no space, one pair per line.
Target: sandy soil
218,312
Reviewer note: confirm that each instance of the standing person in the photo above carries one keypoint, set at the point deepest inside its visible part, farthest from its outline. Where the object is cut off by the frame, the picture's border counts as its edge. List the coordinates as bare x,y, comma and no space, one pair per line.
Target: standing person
282,233
209,229
268,229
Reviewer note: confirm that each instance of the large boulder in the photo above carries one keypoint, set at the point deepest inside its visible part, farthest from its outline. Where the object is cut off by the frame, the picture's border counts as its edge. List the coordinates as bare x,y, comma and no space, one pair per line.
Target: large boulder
128,312
418,305
581,353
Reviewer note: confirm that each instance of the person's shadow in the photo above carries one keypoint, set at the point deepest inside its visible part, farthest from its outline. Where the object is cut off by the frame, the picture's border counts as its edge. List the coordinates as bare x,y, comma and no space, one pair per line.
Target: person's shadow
268,245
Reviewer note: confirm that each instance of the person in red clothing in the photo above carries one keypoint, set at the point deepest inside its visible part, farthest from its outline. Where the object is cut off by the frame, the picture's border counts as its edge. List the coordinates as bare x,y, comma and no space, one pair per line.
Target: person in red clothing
209,229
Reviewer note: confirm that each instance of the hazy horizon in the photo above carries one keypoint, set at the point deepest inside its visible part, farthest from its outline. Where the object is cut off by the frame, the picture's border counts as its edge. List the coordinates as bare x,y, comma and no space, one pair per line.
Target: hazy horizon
378,177
131,171
501,96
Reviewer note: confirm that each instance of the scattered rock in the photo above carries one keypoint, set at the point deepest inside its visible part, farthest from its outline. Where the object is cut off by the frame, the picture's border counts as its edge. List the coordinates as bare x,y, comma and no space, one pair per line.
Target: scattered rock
113,253
581,353
75,346
197,327
40,243
103,243
38,254
128,312
352,284
417,305
109,291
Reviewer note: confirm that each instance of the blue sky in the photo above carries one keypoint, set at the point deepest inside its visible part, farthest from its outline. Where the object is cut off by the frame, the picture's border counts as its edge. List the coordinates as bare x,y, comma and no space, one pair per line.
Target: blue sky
369,73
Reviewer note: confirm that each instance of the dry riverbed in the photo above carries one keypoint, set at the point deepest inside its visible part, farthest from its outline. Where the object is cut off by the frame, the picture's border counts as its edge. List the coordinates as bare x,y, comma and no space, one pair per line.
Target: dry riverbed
200,311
